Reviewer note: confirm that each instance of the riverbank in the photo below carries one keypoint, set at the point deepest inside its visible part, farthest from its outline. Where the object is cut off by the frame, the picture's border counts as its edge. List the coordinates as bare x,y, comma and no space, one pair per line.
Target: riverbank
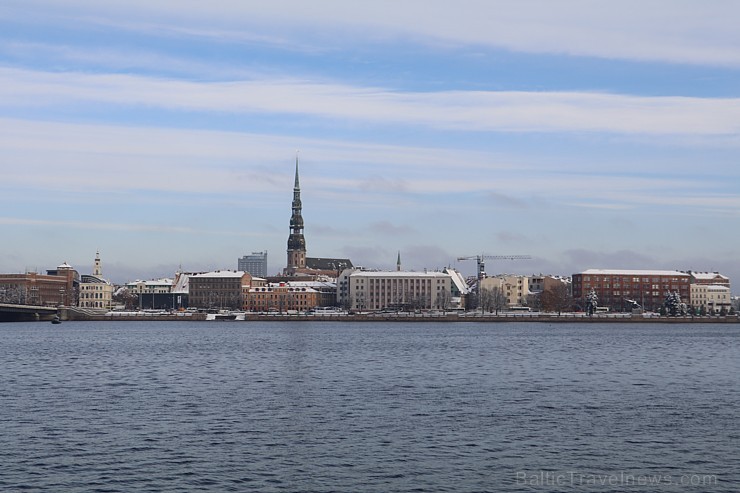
402,317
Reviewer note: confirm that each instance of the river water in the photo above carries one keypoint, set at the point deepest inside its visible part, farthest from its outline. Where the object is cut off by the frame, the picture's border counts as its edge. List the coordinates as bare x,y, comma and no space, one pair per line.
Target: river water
376,407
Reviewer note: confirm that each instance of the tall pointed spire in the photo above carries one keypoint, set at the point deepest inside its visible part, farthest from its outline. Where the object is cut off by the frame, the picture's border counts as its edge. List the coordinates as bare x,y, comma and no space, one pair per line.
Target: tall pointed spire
297,185
398,262
296,241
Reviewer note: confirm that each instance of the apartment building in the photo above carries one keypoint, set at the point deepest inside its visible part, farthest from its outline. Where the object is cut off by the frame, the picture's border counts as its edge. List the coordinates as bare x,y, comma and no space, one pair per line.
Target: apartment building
615,287
223,289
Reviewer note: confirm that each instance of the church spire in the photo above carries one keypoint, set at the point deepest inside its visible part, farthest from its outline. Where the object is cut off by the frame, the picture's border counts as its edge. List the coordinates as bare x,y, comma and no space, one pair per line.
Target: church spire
297,185
296,241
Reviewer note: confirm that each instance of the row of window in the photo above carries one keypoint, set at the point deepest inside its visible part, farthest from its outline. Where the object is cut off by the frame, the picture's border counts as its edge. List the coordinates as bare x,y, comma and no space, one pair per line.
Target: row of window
682,280
95,296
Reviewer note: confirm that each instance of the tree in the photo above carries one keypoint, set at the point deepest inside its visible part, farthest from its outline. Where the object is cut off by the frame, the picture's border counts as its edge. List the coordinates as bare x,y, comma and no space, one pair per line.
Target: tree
556,299
493,300
592,302
347,302
444,299
126,298
673,305
563,298
534,301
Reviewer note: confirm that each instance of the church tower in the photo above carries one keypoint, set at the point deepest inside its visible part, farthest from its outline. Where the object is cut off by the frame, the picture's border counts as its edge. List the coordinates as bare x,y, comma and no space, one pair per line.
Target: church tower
296,241
97,268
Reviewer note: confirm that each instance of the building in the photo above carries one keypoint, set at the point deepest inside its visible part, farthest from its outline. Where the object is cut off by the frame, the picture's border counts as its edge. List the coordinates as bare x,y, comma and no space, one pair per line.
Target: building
540,283
154,286
714,278
181,289
459,289
96,291
710,298
299,265
223,289
153,294
397,290
515,288
71,293
617,288
298,296
255,264
36,289
330,267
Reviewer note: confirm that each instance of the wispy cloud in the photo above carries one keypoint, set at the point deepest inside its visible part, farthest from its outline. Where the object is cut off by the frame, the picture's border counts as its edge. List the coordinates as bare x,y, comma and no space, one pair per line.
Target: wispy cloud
184,162
703,33
111,226
506,111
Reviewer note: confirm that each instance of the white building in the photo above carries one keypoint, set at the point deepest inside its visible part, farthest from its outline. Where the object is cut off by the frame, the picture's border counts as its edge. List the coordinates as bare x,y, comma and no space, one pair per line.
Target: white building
711,298
401,290
154,286
95,291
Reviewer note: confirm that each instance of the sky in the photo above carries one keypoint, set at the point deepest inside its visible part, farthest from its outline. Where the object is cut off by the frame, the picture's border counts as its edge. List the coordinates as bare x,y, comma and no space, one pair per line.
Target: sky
585,134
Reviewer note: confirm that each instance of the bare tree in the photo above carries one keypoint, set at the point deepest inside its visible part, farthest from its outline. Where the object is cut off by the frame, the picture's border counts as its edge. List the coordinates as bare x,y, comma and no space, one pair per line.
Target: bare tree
492,300
126,298
444,299
534,301
562,298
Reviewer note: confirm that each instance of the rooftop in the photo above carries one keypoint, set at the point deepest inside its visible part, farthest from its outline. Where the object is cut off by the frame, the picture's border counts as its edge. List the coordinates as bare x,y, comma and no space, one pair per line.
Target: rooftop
223,274
637,272
399,274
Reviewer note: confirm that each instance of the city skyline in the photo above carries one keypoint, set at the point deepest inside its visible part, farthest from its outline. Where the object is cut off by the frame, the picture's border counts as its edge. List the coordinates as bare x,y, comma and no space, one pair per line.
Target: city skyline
584,135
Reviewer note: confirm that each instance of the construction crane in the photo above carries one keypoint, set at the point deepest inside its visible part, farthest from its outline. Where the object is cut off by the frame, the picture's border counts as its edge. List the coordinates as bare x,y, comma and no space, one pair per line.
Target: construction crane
482,258
482,267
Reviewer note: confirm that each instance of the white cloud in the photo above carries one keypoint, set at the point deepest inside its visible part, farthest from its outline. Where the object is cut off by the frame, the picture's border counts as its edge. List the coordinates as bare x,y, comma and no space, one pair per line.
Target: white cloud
182,163
514,111
703,33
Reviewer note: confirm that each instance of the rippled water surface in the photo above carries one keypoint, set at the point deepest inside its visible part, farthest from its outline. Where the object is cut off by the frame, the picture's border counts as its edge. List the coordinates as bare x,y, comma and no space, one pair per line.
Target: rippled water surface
320,407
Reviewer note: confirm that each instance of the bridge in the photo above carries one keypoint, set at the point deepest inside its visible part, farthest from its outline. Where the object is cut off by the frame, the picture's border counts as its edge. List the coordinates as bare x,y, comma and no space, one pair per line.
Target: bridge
26,313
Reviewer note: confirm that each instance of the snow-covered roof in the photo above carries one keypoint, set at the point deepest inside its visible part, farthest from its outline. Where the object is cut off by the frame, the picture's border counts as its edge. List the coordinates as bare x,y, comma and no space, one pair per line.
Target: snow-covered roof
308,284
711,287
284,286
224,274
165,281
91,279
182,284
458,280
637,272
708,276
399,274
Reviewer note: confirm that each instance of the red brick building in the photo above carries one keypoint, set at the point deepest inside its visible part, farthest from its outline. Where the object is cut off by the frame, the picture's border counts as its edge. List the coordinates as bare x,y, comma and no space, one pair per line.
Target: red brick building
38,289
646,287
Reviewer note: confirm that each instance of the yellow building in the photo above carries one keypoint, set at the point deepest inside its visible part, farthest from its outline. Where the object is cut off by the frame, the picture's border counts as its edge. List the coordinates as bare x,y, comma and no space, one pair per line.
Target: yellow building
95,291
711,298
514,288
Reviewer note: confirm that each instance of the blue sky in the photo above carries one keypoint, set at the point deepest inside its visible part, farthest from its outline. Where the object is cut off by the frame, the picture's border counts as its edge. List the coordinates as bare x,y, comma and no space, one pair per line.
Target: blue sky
586,134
